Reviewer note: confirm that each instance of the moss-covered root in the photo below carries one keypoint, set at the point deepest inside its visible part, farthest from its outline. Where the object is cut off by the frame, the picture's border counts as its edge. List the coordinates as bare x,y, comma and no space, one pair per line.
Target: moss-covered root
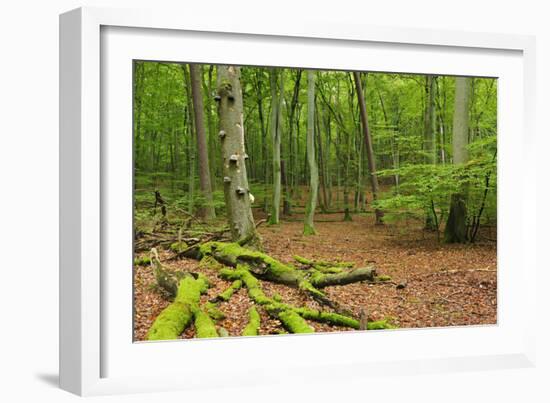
293,322
204,325
266,268
228,292
173,320
380,325
253,326
322,266
261,265
328,317
335,319
212,309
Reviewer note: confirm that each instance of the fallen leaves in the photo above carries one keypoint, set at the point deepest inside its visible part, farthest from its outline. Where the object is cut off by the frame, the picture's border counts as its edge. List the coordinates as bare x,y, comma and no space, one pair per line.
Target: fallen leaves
446,285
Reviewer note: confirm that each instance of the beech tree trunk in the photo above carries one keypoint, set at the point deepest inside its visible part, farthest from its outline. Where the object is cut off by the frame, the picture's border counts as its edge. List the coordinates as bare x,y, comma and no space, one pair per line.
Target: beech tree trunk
309,228
455,229
236,190
368,143
276,141
190,144
207,211
429,139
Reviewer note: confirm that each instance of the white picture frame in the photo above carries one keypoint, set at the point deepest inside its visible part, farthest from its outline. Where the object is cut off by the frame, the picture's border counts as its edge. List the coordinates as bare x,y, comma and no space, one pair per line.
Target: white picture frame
97,357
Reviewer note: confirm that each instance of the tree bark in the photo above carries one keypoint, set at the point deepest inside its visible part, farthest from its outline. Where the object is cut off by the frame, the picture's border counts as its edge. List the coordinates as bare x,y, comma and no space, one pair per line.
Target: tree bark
429,140
455,228
276,142
368,143
191,145
236,190
207,211
309,228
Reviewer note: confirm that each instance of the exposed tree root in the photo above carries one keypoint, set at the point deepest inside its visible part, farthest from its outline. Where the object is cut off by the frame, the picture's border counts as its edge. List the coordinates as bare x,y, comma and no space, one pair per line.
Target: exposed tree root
253,326
244,267
204,325
228,293
211,307
266,268
322,266
291,317
173,320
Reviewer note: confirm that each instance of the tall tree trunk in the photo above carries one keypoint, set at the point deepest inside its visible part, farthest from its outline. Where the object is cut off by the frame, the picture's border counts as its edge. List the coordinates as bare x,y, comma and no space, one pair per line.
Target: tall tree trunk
191,145
138,100
286,196
309,228
212,145
236,190
293,125
264,164
368,142
320,162
276,142
207,211
455,229
429,142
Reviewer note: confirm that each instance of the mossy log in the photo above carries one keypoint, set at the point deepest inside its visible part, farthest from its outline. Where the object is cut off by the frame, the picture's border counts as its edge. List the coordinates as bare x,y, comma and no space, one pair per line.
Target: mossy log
322,280
173,320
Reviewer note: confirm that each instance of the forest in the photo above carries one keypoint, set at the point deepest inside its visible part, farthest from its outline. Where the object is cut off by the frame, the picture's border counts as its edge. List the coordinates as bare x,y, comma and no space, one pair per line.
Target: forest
275,200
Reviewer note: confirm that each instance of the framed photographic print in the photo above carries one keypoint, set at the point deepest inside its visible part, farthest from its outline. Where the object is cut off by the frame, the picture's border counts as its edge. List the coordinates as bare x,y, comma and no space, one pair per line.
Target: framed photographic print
239,190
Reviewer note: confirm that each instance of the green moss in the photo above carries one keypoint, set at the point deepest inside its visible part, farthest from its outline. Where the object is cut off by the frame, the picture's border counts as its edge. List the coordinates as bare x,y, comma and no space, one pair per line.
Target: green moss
230,275
233,254
178,246
292,318
277,297
328,317
302,260
383,277
310,289
253,326
293,322
228,293
309,230
380,325
212,309
173,320
209,262
142,261
204,326
323,267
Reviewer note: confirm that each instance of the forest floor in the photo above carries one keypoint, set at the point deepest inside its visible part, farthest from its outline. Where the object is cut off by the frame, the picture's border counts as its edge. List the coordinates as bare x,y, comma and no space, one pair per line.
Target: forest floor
444,285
